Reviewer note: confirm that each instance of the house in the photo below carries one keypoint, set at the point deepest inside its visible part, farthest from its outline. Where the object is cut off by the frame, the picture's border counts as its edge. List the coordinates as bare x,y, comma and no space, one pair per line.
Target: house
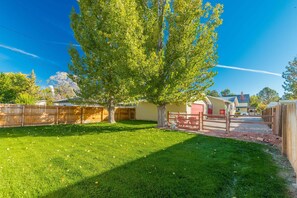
148,111
222,105
70,102
244,103
40,102
63,102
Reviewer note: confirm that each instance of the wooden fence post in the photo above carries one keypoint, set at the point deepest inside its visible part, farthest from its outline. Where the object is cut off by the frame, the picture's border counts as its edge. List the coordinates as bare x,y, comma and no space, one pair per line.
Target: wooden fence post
57,115
23,115
201,121
280,116
168,124
284,130
273,123
102,112
119,115
227,122
81,115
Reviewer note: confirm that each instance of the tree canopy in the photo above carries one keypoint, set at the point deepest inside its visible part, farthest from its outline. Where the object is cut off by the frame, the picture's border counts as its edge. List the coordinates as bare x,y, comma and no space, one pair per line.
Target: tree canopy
226,92
290,76
257,103
111,37
180,44
267,95
16,85
161,50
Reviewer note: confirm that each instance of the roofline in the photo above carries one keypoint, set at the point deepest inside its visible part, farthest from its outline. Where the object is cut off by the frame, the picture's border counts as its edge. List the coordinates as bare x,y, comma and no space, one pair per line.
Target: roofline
220,99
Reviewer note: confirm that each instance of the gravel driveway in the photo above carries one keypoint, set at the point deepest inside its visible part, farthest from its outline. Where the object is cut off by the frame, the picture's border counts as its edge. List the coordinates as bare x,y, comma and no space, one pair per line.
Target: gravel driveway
247,127
241,127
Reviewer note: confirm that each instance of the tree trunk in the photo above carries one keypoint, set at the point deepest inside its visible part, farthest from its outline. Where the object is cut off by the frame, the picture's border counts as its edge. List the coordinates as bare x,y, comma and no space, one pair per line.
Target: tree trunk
162,117
111,112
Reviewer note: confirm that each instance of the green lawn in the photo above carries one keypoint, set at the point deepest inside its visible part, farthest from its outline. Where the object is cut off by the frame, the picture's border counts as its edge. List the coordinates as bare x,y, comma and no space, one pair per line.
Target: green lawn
131,159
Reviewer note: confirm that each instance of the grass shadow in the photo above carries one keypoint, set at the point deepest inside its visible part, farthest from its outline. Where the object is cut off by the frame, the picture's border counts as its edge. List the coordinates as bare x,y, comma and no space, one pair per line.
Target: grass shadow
199,167
73,130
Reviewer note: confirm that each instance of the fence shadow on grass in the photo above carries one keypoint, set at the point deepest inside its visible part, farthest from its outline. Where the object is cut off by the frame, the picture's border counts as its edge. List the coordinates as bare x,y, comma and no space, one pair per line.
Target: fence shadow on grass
188,169
71,130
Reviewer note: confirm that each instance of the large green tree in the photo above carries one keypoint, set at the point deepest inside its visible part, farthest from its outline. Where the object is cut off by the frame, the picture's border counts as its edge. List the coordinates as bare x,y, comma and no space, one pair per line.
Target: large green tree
290,76
12,85
111,37
181,49
267,95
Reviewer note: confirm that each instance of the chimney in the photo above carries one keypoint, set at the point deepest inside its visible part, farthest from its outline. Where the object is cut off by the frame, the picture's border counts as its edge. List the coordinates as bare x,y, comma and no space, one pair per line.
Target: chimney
242,96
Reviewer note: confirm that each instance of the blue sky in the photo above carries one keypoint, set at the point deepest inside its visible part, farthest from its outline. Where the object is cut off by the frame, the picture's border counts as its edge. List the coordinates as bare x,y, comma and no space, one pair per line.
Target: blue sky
256,35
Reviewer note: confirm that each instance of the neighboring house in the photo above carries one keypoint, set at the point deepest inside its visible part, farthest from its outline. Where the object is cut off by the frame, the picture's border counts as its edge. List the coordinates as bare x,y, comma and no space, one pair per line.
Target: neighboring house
222,105
244,103
148,111
63,102
69,102
40,102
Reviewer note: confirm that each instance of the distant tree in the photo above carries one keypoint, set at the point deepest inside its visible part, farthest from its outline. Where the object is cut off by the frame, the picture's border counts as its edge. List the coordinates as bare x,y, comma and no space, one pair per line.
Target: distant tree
261,107
47,95
64,87
111,37
14,84
33,89
181,46
25,99
290,76
267,95
254,101
257,104
226,92
213,93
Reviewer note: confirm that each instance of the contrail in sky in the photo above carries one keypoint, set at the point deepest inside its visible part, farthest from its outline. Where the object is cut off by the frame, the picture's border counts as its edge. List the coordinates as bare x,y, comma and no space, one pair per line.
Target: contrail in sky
249,70
28,54
19,51
219,66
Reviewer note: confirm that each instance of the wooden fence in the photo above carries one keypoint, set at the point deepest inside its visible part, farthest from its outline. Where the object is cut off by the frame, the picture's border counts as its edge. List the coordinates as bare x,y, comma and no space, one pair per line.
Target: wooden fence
289,132
273,115
33,115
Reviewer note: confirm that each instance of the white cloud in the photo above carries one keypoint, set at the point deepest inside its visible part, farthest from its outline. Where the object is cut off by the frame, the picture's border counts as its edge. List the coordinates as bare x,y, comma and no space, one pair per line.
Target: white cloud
249,70
19,51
